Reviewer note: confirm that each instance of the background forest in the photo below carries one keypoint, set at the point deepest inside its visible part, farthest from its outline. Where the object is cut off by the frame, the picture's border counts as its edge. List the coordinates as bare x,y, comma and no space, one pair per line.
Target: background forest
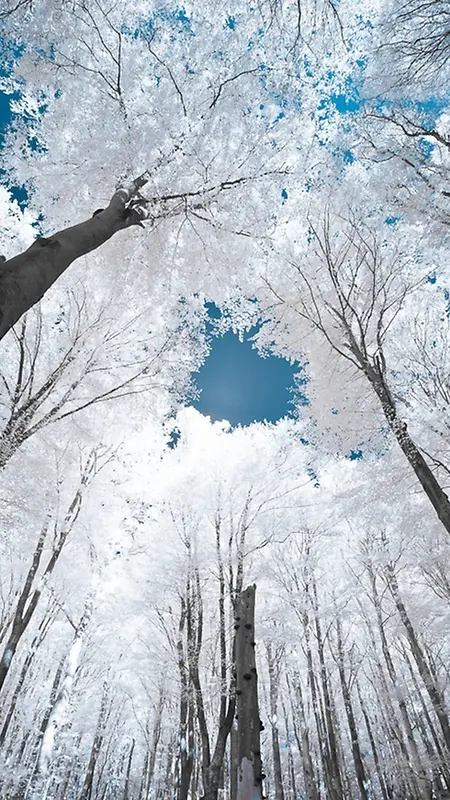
296,157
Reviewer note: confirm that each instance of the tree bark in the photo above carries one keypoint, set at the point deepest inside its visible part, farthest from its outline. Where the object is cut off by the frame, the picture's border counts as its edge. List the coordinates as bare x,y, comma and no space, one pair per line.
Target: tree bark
348,705
22,617
88,784
431,486
249,770
434,692
25,278
274,681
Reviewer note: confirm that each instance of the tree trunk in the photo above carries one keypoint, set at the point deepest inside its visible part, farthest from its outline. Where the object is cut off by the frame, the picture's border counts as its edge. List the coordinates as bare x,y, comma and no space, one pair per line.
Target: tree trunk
336,789
88,784
303,743
434,693
126,791
22,617
274,680
348,705
25,278
431,486
249,769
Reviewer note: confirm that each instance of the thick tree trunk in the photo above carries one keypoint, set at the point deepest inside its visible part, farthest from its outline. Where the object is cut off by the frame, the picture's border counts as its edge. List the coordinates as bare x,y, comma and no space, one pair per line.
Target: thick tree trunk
249,770
25,278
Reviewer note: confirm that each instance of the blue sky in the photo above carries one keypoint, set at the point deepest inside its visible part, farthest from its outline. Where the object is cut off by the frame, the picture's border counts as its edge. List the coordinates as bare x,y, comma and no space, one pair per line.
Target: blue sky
236,384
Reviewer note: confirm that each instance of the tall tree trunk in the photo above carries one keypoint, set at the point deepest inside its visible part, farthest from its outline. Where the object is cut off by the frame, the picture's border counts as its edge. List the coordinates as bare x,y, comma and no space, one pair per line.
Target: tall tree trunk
303,743
43,627
126,790
274,680
434,693
249,769
23,614
412,760
147,781
375,372
348,705
56,716
386,790
88,784
25,278
331,726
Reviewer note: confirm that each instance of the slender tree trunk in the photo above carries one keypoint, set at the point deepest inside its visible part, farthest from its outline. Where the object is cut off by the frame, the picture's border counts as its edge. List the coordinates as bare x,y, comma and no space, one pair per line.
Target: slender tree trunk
147,782
37,641
56,715
25,278
88,784
437,756
386,790
348,705
249,769
23,615
126,791
434,693
274,680
303,743
375,374
335,774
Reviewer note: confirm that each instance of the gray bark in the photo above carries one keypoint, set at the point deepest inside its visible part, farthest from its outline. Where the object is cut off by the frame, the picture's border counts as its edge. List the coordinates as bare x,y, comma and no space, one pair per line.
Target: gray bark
348,705
25,278
274,682
249,770
434,692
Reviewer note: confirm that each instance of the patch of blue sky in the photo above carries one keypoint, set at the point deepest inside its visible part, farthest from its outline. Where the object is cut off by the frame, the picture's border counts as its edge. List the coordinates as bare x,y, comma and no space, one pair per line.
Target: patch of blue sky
432,108
447,305
429,110
355,455
239,384
392,220
8,54
347,103
230,22
175,18
426,147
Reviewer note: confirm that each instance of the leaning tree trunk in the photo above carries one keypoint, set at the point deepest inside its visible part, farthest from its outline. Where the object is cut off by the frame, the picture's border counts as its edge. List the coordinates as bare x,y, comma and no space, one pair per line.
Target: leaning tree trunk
25,278
248,748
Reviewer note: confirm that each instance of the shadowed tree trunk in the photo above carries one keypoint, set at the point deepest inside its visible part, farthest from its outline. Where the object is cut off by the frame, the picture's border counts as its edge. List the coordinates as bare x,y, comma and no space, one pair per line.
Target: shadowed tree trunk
249,770
25,278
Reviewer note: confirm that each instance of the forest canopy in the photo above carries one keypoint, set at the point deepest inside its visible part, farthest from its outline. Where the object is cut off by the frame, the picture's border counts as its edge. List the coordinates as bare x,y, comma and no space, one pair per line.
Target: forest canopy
288,163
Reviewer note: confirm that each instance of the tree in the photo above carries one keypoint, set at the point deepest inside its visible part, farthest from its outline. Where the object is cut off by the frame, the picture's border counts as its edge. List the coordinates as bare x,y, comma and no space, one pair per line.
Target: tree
352,301
25,278
248,750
